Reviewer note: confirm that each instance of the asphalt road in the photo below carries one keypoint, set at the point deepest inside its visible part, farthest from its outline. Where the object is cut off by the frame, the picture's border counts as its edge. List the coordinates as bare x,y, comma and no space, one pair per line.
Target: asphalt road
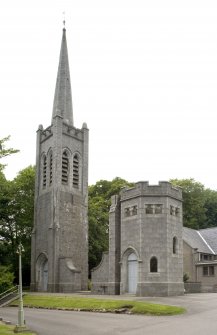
200,319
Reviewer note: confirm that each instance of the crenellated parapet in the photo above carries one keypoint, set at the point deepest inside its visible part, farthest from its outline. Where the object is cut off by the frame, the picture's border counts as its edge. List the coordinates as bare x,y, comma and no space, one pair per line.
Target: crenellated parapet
76,133
144,189
46,133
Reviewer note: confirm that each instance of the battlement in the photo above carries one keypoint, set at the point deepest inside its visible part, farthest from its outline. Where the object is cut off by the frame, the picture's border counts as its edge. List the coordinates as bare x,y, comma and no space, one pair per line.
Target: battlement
45,133
72,131
142,188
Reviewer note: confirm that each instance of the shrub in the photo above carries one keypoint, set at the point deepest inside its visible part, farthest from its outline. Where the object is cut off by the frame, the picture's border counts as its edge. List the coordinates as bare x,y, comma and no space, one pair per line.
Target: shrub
6,278
185,277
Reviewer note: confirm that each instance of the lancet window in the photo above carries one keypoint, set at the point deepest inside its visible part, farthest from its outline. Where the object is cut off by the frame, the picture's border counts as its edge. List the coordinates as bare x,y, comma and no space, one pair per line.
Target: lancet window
76,171
51,168
44,177
65,167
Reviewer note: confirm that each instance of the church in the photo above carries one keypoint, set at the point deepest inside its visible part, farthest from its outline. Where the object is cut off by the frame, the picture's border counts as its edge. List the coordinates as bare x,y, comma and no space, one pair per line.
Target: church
149,250
59,252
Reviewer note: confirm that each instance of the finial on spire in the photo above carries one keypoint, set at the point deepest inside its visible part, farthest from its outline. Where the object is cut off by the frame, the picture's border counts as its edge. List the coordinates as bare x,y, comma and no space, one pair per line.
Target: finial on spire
64,20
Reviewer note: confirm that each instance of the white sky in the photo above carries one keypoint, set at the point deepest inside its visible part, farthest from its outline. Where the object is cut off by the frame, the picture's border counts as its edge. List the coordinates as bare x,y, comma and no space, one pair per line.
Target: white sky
143,75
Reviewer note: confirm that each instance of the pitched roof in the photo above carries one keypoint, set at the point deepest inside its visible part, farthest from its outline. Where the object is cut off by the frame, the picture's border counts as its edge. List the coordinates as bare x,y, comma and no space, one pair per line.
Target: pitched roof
62,104
204,240
210,235
192,238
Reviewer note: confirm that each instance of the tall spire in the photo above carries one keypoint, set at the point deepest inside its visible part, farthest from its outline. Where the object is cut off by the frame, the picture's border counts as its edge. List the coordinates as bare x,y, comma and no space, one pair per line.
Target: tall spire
62,104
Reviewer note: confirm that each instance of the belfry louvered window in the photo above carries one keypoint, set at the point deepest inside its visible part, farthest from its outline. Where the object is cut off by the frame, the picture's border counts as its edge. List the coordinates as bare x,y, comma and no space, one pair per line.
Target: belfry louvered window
44,178
76,171
65,168
51,168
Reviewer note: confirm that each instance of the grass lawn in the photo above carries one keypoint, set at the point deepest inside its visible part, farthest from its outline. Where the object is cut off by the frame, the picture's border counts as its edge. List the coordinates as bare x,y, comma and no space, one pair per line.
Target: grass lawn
99,305
9,330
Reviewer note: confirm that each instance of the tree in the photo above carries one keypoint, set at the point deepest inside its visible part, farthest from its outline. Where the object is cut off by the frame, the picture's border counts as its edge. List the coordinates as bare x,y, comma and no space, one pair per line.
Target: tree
6,278
211,209
16,220
98,215
199,204
3,150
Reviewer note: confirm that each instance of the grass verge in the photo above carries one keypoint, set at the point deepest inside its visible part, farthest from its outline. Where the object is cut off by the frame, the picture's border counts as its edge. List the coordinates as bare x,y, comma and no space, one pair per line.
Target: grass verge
9,330
99,305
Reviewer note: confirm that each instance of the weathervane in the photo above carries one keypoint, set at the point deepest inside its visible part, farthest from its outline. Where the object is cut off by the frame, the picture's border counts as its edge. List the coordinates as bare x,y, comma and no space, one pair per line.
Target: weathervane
64,20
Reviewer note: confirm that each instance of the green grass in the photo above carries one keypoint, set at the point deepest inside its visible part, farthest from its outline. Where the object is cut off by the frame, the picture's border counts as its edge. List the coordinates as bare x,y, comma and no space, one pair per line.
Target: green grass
9,330
92,304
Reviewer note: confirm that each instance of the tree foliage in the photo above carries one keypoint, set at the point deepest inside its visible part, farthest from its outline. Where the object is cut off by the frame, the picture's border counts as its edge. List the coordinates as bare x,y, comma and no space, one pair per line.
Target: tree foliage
6,278
17,210
199,204
16,219
98,215
5,151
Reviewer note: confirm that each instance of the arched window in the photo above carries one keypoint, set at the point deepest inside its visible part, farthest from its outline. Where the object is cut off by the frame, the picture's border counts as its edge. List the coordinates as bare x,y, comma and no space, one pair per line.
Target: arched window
76,171
65,168
44,178
175,245
51,168
153,264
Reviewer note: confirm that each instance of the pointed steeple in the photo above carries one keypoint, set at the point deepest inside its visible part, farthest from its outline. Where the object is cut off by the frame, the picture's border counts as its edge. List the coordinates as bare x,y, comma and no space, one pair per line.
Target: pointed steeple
62,104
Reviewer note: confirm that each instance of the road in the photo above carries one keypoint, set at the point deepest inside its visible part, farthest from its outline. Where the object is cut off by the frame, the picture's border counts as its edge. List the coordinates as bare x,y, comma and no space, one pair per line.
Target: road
199,319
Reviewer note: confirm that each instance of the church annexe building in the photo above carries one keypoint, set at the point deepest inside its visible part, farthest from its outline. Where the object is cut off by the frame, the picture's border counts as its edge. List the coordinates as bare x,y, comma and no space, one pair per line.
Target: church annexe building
145,243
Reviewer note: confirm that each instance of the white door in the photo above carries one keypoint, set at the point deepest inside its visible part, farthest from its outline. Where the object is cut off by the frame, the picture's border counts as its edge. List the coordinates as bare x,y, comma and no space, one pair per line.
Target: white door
132,273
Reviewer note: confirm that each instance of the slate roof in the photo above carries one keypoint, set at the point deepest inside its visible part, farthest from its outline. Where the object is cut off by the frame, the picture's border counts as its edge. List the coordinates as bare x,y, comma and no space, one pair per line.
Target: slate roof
194,238
210,236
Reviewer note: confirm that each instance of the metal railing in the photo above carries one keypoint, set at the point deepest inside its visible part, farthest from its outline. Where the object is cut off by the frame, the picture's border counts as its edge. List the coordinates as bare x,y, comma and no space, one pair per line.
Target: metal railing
9,292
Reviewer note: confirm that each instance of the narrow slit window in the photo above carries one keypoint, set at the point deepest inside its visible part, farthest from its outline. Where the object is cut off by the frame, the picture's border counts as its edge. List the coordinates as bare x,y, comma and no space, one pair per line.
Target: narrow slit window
76,171
44,171
175,242
51,168
65,168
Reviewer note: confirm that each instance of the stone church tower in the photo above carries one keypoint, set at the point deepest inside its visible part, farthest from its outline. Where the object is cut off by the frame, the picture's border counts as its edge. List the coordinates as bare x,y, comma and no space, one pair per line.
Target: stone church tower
60,236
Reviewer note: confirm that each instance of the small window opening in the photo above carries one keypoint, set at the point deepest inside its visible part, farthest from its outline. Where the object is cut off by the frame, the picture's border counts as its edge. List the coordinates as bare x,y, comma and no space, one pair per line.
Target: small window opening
158,209
153,264
177,211
149,209
134,210
127,212
172,210
174,245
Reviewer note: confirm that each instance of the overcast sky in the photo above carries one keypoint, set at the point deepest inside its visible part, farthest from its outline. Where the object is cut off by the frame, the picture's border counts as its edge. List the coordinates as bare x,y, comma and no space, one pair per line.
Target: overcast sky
143,75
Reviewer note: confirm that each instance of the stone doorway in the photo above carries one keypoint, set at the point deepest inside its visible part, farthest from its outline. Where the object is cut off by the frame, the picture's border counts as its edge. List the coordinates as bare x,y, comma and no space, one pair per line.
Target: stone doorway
42,273
44,276
132,266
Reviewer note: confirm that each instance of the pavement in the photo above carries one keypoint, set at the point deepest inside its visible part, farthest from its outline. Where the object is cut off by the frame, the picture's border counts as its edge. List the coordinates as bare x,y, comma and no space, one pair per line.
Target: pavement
199,319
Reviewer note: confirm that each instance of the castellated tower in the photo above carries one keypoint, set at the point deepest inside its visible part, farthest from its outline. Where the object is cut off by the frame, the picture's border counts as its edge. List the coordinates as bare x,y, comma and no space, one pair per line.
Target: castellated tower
59,260
145,243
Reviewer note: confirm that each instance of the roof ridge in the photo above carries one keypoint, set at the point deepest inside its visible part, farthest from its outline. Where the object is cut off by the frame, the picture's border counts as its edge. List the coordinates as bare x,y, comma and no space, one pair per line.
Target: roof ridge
205,241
